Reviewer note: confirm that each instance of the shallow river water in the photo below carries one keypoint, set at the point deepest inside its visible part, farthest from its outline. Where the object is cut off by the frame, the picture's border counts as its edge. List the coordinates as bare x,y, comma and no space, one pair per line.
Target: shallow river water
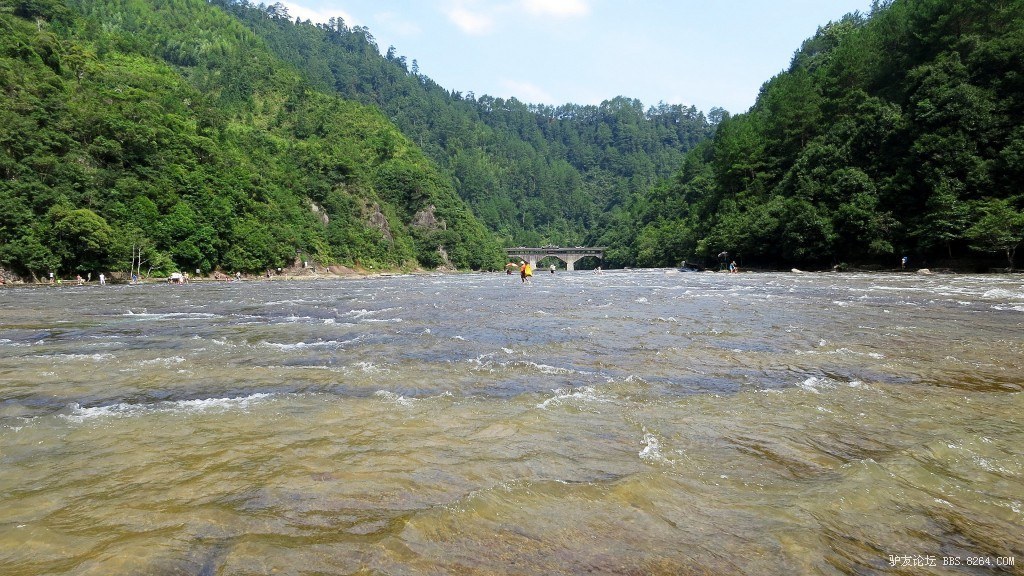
631,422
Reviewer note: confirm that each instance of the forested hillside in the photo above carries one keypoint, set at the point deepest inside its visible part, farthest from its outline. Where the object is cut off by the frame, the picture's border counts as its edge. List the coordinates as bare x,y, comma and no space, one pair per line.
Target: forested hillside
167,132
220,134
898,133
534,174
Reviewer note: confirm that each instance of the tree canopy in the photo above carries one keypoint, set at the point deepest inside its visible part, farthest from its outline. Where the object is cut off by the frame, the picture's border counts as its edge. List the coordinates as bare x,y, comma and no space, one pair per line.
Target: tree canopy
894,133
167,127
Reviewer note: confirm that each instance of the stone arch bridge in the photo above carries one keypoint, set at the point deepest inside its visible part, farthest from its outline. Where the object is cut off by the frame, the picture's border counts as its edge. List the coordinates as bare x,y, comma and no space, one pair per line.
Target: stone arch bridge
567,255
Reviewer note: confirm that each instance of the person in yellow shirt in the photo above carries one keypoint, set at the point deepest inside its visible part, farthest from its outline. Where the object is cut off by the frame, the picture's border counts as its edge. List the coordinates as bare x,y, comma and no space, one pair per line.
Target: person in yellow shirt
525,271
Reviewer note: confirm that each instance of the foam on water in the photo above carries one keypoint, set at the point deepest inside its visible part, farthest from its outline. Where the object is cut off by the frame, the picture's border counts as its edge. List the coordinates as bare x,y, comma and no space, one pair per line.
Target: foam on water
169,315
815,384
370,368
284,346
1003,294
651,451
288,302
297,319
98,357
546,369
362,313
582,394
162,361
80,415
393,398
841,352
485,362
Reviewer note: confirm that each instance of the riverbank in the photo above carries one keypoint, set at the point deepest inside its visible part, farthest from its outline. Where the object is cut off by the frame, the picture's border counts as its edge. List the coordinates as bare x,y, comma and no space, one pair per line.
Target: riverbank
8,278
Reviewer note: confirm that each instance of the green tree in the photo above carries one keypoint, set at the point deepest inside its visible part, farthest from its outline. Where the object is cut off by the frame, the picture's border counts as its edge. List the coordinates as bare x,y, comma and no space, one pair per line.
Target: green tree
28,253
860,224
999,228
80,238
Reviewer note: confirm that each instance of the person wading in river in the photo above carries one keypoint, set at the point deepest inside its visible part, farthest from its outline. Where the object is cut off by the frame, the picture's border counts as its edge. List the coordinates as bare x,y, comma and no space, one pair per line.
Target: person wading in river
525,271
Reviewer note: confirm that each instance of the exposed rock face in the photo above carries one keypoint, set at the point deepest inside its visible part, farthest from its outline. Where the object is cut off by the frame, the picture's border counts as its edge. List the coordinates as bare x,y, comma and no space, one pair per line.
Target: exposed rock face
378,220
373,216
8,277
447,265
427,218
320,212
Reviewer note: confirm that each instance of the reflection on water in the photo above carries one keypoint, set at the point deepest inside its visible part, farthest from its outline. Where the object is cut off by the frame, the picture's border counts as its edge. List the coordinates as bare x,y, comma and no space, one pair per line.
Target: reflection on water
639,422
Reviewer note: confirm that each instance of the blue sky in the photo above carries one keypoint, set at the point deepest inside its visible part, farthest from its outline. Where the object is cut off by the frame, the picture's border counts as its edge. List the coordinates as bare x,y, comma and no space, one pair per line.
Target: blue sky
704,53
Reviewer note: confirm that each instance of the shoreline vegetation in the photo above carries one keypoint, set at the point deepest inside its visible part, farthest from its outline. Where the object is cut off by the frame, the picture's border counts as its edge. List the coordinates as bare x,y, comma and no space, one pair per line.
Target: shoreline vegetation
7,278
337,272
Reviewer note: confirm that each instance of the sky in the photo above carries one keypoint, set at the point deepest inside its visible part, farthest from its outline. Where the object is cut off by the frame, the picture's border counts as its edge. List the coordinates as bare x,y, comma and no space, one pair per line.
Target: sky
710,53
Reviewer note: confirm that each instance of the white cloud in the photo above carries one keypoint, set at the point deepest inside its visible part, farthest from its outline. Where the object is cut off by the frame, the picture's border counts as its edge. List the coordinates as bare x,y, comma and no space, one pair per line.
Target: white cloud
398,24
316,16
527,92
561,8
479,17
470,22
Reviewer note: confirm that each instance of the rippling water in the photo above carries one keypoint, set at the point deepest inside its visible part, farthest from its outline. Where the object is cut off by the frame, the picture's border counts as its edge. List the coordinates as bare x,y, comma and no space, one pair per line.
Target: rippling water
636,422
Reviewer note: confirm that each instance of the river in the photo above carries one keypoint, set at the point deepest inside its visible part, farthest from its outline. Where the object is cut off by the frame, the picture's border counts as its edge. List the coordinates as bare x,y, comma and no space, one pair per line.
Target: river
630,422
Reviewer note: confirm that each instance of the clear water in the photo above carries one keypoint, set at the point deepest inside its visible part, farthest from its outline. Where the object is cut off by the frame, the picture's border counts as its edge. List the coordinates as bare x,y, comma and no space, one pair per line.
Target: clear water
634,422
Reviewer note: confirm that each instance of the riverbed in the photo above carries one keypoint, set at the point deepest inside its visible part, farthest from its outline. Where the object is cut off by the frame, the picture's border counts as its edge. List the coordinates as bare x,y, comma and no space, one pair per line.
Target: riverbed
627,422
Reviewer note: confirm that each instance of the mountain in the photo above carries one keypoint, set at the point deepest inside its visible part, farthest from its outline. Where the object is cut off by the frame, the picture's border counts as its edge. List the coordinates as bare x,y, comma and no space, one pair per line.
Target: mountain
226,135
892,134
166,132
534,174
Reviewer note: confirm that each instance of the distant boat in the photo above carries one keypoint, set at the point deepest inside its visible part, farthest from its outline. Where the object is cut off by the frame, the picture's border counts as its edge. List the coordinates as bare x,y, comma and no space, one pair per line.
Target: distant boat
685,266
